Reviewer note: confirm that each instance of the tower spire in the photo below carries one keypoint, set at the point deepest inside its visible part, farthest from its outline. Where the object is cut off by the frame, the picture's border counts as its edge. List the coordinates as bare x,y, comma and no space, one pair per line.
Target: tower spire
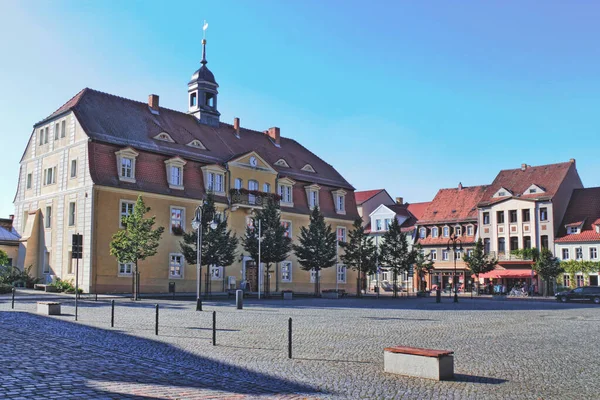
204,28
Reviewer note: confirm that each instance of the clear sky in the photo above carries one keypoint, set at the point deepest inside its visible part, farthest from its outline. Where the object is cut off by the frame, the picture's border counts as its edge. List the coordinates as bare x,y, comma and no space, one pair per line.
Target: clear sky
407,96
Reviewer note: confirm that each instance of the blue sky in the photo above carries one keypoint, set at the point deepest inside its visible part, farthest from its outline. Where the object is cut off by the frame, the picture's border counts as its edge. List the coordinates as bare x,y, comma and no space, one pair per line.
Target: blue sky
410,96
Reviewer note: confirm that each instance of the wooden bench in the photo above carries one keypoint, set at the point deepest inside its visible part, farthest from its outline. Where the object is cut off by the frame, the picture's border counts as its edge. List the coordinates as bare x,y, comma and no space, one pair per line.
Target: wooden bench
45,288
419,362
48,308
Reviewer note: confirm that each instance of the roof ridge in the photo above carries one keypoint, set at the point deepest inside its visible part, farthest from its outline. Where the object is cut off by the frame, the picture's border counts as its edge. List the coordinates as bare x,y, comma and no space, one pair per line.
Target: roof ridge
537,166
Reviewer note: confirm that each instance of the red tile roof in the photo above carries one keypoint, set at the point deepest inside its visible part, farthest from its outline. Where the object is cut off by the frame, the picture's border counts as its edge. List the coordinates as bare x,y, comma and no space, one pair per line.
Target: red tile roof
453,205
418,209
116,120
440,240
365,195
517,181
584,206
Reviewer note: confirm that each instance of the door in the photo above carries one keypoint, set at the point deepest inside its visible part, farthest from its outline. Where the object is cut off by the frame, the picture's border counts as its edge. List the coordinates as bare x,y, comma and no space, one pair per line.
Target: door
251,276
593,280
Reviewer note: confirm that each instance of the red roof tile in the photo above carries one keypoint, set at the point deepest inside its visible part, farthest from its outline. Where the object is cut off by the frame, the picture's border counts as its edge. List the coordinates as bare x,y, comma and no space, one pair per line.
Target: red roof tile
365,195
583,206
517,181
453,205
440,240
418,209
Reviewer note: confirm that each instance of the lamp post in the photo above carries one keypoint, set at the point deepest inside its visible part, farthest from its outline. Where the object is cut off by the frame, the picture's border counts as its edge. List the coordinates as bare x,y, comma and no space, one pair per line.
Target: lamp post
456,247
197,225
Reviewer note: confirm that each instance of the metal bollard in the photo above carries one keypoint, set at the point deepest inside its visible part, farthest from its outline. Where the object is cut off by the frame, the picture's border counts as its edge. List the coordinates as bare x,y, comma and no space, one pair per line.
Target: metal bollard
198,304
112,313
290,338
438,295
96,296
239,299
214,328
156,324
13,298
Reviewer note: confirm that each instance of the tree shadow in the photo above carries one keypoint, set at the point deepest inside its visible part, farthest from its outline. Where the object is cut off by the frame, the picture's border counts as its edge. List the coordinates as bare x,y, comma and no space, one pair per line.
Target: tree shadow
93,360
478,379
334,361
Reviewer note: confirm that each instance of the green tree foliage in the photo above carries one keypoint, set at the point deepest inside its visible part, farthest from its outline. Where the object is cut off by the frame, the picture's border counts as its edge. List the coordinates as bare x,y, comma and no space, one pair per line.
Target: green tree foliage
423,266
275,246
218,244
317,246
479,262
137,241
526,254
395,252
360,253
548,268
3,258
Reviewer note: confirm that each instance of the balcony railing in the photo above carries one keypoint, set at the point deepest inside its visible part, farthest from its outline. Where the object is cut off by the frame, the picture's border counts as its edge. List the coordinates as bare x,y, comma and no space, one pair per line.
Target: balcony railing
507,256
252,198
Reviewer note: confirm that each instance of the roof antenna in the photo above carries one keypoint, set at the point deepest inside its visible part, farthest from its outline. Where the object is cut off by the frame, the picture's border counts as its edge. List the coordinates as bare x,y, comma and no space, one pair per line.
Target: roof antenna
204,28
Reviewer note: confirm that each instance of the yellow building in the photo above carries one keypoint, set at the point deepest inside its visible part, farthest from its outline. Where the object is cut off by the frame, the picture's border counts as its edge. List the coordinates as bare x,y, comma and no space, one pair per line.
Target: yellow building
88,161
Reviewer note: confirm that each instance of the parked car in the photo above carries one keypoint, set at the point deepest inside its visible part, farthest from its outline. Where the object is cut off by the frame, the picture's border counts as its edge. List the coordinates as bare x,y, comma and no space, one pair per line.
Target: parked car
586,293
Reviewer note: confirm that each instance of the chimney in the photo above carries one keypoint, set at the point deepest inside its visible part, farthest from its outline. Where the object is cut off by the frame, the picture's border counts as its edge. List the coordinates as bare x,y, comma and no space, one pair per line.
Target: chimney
523,167
274,133
12,217
460,186
236,126
572,161
399,200
153,101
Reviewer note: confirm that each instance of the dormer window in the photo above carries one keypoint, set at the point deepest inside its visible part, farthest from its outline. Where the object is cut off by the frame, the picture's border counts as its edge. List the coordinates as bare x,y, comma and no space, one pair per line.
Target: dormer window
534,189
165,137
571,230
281,163
457,230
339,199
126,164
193,99
308,168
422,233
446,231
312,195
175,172
197,144
470,230
434,232
285,190
502,192
214,178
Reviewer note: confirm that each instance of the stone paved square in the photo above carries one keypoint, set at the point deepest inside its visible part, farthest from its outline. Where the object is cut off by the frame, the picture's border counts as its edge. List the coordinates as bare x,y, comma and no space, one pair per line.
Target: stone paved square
503,350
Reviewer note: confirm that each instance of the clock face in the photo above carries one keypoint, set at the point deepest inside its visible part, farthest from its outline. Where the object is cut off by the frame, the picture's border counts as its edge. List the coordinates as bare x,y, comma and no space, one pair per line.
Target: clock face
253,161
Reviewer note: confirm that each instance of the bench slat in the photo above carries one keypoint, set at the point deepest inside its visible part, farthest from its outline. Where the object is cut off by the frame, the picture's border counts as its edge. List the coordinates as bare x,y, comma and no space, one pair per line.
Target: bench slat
418,351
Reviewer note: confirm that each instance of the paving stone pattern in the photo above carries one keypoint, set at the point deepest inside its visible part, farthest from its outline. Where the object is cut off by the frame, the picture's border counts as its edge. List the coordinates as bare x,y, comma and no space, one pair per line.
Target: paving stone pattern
503,350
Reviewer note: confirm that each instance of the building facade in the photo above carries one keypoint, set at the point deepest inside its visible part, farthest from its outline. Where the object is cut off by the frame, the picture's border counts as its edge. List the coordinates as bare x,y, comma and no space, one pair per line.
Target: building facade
522,209
368,200
86,164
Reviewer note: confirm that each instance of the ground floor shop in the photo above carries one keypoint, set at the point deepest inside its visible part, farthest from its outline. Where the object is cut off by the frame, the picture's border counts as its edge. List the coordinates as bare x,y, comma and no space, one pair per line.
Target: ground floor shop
505,279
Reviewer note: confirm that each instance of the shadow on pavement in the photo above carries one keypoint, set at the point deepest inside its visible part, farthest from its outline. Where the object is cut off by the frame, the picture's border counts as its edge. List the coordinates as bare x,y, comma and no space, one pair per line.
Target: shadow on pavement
478,379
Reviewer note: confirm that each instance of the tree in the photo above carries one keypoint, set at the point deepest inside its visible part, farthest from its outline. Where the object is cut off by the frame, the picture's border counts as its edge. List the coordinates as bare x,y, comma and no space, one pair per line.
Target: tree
479,262
423,266
548,268
3,258
218,244
316,249
360,252
395,252
275,245
137,241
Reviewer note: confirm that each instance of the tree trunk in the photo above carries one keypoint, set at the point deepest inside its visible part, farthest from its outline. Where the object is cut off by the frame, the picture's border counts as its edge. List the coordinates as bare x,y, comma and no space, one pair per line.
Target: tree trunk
395,283
317,283
268,285
357,283
136,284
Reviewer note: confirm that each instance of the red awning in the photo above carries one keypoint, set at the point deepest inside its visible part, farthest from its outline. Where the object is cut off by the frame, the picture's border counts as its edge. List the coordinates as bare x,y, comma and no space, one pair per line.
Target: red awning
507,273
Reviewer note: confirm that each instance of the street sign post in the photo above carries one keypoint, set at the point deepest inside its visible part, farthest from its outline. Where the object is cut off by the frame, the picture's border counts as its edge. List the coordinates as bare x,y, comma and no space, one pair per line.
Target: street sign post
76,253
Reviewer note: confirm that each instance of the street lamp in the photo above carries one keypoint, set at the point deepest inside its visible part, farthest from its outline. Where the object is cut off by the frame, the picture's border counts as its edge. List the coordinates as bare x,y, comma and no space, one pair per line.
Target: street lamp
456,247
197,225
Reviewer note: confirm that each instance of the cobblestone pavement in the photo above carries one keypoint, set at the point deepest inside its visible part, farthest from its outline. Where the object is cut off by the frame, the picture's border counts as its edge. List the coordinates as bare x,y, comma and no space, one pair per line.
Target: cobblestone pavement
503,350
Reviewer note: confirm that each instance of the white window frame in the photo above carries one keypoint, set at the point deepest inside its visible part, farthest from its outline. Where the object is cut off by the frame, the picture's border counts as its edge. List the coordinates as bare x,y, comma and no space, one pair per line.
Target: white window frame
29,181
73,169
435,232
337,233
378,224
49,176
181,220
579,253
176,176
286,193
126,173
445,255
123,272
386,223
289,231
433,254
563,252
446,231
172,265
127,212
422,233
458,230
175,170
56,127
267,187
483,217
286,267
63,128
216,273
341,272
313,198
72,213
470,230
470,252
593,253
126,170
48,217
545,214
239,183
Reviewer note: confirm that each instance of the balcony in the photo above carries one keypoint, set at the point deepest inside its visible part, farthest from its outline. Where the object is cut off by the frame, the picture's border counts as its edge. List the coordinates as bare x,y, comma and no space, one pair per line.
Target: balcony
521,255
251,198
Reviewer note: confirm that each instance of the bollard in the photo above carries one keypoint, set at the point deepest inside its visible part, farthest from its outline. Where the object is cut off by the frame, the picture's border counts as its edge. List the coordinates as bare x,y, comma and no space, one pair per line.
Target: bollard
239,299
156,324
198,304
438,295
76,304
214,328
290,338
13,298
112,313
96,296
